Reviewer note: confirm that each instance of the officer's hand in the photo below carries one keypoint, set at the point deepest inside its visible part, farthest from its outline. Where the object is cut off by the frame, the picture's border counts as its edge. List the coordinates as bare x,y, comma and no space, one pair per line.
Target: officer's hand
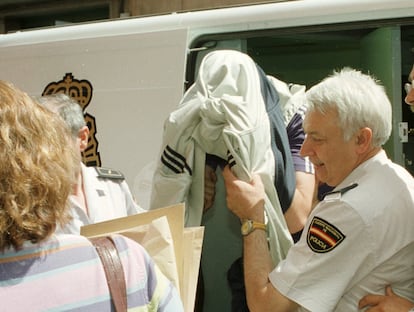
245,199
390,302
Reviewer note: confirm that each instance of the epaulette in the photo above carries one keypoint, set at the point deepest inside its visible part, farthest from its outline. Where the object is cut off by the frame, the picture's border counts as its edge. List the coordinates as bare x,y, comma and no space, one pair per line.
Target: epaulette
336,195
109,173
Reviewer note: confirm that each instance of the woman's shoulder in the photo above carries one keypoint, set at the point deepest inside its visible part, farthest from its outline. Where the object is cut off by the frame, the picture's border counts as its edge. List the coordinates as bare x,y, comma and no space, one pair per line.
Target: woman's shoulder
124,243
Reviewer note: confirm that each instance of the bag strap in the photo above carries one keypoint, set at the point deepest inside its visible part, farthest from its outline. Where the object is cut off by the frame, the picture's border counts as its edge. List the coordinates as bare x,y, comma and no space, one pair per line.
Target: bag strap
114,272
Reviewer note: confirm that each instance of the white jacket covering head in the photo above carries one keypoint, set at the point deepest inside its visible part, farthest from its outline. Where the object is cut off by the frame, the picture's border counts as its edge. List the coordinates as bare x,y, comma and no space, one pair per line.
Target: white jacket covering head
224,114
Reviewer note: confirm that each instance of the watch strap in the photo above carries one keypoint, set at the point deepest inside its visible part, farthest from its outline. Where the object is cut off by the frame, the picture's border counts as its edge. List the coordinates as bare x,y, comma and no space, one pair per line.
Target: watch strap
249,226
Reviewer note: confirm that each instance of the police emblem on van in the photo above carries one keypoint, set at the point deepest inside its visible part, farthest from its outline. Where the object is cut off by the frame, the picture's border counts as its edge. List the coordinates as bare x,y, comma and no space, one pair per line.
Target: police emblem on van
81,91
323,236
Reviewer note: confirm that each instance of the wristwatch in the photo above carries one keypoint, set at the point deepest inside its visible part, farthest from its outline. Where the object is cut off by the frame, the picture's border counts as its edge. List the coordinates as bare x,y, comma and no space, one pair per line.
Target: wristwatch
249,226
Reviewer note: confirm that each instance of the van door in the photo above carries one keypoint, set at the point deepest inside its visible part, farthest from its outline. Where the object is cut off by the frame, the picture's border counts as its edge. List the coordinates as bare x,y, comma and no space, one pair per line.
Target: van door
381,56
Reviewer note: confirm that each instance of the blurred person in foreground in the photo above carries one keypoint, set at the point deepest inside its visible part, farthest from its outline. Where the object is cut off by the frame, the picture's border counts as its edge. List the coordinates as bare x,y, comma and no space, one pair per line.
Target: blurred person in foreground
42,270
390,302
100,194
360,237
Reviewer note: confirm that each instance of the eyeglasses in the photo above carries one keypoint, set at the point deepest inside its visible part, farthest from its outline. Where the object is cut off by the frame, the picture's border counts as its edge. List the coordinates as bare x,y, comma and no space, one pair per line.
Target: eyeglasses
409,86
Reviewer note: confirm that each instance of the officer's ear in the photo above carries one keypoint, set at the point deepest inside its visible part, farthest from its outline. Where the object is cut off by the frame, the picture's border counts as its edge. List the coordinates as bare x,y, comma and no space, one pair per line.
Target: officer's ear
364,139
83,136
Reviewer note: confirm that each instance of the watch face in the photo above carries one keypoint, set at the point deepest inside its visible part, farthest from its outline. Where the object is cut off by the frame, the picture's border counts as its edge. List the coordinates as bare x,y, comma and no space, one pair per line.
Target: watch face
246,227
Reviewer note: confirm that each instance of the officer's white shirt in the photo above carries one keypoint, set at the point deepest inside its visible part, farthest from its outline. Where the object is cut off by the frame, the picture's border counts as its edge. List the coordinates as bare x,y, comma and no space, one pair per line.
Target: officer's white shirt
106,199
367,242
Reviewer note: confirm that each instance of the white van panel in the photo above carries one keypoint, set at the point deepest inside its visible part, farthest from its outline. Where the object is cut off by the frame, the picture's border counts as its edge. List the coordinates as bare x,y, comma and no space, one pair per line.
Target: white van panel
137,80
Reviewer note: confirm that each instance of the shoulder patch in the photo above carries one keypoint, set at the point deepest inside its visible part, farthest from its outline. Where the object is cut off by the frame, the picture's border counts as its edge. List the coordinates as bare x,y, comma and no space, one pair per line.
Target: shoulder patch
323,236
109,173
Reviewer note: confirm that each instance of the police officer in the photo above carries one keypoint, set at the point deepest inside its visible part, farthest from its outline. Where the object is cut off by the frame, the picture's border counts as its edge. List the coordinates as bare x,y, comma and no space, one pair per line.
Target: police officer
358,231
101,194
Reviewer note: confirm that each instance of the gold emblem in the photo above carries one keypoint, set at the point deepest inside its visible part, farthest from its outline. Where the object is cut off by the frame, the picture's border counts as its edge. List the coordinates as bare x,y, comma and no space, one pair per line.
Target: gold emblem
81,91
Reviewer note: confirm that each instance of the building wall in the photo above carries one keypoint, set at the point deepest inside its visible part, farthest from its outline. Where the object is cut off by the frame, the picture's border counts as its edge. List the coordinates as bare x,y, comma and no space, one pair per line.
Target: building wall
149,7
26,14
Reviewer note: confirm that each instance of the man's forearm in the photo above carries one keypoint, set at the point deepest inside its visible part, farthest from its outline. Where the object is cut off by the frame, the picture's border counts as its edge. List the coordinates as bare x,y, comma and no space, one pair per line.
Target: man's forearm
261,295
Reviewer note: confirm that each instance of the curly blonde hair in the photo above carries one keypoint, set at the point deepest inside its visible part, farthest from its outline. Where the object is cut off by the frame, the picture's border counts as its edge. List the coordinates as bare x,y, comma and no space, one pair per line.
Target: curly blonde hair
38,169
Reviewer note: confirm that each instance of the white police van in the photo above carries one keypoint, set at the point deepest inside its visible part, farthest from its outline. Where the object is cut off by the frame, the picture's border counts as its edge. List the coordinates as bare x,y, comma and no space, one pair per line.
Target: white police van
129,74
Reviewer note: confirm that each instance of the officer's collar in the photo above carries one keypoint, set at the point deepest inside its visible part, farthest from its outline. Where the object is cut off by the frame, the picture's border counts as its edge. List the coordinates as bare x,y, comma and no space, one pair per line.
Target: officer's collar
337,194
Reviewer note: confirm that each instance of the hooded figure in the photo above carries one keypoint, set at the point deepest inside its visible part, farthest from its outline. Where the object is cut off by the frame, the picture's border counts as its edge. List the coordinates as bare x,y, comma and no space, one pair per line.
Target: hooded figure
233,112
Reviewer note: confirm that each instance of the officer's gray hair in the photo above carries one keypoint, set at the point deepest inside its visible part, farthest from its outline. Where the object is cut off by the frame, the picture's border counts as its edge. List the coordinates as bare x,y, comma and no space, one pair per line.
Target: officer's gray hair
359,100
68,108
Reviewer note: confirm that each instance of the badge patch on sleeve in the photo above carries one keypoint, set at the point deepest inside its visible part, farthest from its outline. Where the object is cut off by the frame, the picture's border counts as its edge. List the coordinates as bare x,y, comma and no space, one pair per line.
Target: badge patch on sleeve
323,236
